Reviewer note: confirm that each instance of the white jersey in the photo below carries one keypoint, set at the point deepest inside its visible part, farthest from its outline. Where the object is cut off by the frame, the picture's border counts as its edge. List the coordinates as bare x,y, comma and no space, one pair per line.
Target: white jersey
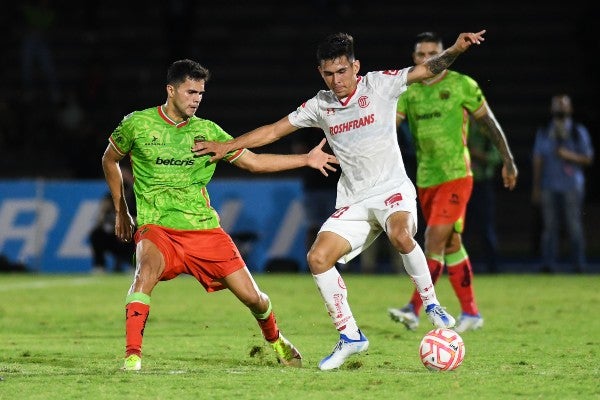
361,130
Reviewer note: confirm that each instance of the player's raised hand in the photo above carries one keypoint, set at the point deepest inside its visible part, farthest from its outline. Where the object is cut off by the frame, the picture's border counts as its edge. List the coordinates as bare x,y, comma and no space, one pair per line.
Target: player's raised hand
318,159
466,40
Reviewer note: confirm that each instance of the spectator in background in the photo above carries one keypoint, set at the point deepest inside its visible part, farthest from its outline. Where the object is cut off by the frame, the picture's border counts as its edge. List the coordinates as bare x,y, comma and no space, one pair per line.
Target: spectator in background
481,209
102,237
561,151
38,19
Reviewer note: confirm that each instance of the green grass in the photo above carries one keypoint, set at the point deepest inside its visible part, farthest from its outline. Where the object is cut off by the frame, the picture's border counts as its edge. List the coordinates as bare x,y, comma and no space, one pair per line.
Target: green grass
62,337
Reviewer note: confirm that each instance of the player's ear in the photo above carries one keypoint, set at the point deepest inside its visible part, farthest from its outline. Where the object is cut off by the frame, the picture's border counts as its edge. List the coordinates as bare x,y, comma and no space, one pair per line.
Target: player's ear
320,69
356,66
170,90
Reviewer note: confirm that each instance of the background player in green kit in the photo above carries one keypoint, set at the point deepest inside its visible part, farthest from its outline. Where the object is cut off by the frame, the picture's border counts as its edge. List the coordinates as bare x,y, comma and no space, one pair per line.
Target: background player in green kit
438,111
178,230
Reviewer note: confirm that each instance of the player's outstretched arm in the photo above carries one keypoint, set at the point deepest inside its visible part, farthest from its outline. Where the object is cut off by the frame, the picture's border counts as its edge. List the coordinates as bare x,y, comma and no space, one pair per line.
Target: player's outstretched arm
255,138
263,163
437,64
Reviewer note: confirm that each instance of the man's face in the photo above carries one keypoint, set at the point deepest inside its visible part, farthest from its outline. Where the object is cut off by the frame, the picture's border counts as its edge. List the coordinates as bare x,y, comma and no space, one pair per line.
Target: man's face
339,75
186,97
561,106
425,50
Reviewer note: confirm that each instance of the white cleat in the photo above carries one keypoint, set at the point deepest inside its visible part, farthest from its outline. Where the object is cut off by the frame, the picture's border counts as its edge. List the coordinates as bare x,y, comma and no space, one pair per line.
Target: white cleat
342,350
467,322
405,316
439,317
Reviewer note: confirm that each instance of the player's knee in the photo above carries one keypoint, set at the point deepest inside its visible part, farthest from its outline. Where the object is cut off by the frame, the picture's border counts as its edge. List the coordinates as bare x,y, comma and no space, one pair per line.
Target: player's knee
402,241
317,259
255,301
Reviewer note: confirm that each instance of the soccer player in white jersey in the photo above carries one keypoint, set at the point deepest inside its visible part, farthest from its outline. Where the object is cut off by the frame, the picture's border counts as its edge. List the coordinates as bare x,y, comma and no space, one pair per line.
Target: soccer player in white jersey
374,195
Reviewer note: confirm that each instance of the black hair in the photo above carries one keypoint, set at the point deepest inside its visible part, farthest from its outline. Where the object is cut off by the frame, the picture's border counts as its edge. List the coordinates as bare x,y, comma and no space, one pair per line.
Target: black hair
336,45
180,70
428,37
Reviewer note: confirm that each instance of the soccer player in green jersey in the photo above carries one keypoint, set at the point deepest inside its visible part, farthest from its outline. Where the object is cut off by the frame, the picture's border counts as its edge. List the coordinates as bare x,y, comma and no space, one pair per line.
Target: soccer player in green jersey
178,230
438,111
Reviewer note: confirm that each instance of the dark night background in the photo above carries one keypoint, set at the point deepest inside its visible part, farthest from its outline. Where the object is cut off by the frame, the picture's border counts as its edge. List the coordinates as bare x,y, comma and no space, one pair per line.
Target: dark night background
110,58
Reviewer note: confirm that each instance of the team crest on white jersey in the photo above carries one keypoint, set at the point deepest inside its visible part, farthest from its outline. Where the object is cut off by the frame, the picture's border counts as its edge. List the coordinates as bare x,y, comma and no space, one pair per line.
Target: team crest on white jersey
363,101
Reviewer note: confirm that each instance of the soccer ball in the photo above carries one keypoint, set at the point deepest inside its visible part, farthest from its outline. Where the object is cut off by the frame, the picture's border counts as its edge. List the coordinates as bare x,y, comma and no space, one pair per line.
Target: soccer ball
442,350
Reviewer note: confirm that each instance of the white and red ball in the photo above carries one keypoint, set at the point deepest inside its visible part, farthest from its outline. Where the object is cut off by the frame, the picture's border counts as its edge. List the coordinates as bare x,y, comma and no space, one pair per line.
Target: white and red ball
442,350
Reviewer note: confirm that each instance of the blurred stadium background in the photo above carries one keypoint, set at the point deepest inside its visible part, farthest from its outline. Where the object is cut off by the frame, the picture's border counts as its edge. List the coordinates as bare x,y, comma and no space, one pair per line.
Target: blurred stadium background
109,58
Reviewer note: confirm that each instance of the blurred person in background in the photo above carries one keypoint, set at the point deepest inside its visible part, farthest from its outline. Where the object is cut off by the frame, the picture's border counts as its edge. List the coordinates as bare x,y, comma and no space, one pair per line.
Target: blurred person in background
561,151
39,17
178,231
437,110
102,237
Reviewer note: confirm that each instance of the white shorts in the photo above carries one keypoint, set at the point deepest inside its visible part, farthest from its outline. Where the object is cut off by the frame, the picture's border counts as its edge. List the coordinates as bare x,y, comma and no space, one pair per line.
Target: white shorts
362,222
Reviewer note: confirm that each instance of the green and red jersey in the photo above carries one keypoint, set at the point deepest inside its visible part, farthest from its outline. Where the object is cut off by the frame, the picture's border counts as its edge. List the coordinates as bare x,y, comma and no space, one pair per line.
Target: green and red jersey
438,117
170,181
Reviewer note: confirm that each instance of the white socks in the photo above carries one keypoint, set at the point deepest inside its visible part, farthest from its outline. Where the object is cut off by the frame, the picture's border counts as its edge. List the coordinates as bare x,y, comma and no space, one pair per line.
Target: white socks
334,293
416,267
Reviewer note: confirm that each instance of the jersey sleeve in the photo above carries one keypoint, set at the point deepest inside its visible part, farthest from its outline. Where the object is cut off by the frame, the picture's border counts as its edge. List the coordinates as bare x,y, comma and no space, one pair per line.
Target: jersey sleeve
473,96
390,83
122,137
402,106
217,134
584,143
305,116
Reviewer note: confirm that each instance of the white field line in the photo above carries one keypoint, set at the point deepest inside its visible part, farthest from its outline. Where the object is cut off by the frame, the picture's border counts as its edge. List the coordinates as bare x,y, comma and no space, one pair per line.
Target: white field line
42,284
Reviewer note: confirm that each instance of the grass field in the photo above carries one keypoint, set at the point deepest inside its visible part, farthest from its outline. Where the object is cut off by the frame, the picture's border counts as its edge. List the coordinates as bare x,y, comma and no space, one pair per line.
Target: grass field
62,337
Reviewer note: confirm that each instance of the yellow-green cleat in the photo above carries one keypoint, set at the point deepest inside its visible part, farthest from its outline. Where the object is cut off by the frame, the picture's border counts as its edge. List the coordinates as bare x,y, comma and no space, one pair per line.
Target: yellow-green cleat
286,353
133,362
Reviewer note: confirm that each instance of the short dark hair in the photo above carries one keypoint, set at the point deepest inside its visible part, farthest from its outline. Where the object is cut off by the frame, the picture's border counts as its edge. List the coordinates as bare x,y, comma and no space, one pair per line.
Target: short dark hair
336,45
180,70
428,37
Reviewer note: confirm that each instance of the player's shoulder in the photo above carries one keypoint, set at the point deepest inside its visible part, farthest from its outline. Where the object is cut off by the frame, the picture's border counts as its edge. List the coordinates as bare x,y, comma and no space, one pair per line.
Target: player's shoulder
140,114
321,99
202,122
459,76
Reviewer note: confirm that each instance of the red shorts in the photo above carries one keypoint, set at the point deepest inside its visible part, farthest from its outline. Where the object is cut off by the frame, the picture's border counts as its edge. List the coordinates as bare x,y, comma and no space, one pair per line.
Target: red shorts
207,255
446,203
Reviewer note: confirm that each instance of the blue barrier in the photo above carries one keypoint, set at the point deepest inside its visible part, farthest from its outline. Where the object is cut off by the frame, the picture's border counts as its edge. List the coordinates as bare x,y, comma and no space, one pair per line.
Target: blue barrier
45,224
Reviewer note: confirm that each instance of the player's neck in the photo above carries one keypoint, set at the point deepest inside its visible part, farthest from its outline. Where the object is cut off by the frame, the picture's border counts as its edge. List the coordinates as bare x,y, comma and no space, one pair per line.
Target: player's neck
171,113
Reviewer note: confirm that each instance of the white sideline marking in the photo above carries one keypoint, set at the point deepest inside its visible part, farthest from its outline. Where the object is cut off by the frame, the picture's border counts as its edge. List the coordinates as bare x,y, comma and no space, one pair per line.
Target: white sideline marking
46,284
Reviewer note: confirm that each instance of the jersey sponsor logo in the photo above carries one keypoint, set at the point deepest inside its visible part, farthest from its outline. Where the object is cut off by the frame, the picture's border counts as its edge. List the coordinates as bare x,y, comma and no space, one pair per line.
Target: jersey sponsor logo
391,72
431,115
393,200
174,161
363,101
154,142
350,125
338,213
